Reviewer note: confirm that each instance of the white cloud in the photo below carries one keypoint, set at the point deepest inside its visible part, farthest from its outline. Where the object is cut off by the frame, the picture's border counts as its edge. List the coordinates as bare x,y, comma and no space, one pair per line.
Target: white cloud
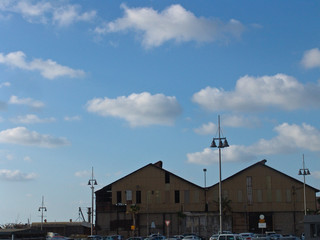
256,94
27,159
173,23
70,14
5,84
22,136
240,121
85,173
47,68
16,175
26,101
207,128
45,12
31,118
138,109
290,138
315,174
72,118
311,58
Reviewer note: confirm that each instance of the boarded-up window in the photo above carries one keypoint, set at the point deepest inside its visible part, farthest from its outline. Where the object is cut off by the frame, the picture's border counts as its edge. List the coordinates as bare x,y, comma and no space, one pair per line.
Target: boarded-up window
186,196
167,196
269,190
259,195
158,196
240,197
288,195
249,190
196,196
278,195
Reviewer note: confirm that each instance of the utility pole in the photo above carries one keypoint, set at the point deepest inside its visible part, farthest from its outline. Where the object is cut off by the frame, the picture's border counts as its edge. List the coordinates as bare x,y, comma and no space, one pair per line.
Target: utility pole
41,209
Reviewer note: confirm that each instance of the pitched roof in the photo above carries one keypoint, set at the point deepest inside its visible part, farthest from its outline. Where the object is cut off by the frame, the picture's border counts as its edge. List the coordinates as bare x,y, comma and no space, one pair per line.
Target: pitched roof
263,163
157,165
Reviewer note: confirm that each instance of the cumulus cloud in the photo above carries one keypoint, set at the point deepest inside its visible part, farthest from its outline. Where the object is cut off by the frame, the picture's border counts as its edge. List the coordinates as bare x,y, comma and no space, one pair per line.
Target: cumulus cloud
84,173
240,121
47,68
259,93
173,23
47,12
311,58
23,136
315,174
207,128
16,175
5,84
138,109
289,138
26,101
72,118
31,118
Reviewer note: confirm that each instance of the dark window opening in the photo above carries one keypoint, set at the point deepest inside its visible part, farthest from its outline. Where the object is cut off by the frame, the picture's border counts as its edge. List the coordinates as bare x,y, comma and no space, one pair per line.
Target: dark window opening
177,196
167,178
119,199
138,196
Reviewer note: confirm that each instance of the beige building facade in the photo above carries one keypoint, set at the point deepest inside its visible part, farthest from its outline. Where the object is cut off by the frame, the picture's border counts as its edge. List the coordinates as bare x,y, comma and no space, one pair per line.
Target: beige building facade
154,200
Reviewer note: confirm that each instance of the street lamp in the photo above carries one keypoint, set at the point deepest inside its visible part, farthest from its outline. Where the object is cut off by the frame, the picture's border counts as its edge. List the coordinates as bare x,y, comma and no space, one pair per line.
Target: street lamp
92,182
41,209
205,189
220,145
304,171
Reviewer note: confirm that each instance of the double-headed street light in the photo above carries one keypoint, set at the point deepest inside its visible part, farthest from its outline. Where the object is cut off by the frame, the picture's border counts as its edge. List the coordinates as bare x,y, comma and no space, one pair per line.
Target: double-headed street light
41,209
304,171
92,182
220,145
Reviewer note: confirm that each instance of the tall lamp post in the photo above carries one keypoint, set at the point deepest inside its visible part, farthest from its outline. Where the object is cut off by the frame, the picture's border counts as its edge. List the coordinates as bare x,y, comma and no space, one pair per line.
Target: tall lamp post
304,171
205,189
41,209
220,145
92,182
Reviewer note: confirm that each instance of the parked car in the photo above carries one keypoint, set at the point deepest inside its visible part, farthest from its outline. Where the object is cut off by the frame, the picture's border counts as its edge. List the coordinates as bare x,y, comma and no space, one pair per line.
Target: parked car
275,236
191,237
247,236
214,237
229,237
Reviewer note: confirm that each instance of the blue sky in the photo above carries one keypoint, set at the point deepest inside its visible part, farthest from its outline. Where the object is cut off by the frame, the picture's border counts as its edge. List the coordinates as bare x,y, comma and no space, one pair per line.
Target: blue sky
118,85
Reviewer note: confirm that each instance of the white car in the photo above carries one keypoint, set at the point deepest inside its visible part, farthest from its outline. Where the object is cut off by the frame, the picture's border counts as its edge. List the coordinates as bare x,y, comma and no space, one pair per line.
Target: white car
230,237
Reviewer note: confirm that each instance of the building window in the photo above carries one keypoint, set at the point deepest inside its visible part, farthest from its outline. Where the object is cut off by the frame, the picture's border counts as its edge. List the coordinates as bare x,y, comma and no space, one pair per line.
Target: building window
128,195
288,195
196,196
269,191
167,177
138,196
167,196
259,195
186,196
119,200
240,196
158,196
176,196
249,190
278,195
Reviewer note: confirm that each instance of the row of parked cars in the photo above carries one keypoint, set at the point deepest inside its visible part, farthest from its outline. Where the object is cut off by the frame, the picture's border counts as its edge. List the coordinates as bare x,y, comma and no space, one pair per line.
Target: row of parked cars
252,236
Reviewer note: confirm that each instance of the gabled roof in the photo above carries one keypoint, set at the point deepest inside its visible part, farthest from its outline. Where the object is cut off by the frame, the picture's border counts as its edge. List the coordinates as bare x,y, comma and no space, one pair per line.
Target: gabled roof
263,163
157,165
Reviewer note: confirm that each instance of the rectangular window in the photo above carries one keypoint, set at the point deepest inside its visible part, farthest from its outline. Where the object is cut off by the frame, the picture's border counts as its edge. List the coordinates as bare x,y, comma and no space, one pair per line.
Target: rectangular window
176,196
269,191
196,196
288,195
167,196
240,196
138,196
249,190
278,195
128,195
186,196
119,200
259,195
167,177
158,196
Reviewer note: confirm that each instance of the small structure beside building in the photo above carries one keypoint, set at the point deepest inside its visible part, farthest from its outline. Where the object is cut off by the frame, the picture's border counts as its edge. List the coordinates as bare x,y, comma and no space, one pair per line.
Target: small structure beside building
312,227
22,233
66,229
